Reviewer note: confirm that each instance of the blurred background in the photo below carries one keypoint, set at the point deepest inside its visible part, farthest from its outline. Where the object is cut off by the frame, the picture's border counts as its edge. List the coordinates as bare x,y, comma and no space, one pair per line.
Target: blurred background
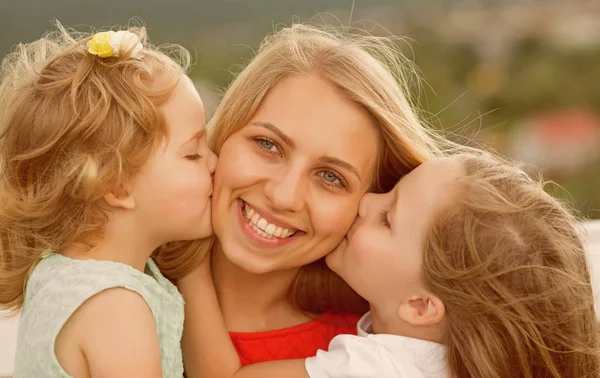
519,76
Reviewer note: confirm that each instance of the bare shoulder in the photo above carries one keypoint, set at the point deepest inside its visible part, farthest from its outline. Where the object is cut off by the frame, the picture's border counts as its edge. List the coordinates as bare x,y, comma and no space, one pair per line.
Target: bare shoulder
112,334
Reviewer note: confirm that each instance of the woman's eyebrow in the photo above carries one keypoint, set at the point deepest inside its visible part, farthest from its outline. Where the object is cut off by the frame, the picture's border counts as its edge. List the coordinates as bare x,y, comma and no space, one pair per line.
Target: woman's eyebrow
275,130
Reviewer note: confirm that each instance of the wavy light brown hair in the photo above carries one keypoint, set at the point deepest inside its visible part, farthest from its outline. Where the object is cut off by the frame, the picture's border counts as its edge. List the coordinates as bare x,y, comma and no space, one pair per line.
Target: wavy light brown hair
508,262
367,70
73,128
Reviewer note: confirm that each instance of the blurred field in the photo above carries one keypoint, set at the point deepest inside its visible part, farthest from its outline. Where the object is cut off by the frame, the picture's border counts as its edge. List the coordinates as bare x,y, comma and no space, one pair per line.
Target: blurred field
516,75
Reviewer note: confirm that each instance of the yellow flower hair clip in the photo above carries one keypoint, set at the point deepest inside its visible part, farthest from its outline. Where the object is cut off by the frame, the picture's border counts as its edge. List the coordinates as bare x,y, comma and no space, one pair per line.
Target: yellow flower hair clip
110,43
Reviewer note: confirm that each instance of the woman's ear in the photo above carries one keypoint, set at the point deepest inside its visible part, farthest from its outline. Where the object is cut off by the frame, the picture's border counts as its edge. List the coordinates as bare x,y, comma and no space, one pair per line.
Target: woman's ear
422,310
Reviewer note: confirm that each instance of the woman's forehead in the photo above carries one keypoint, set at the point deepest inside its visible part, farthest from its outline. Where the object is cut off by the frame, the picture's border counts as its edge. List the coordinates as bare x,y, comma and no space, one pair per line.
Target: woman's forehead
314,114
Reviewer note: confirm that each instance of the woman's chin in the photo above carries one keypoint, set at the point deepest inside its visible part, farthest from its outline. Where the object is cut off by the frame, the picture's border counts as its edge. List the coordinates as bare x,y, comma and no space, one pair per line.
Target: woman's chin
246,262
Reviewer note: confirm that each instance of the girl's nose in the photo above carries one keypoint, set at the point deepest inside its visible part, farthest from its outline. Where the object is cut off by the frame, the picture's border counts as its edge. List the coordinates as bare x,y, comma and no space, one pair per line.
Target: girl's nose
365,203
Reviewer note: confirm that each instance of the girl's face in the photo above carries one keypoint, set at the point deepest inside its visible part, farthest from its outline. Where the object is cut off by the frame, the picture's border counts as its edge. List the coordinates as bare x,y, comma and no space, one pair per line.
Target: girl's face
172,192
288,184
382,253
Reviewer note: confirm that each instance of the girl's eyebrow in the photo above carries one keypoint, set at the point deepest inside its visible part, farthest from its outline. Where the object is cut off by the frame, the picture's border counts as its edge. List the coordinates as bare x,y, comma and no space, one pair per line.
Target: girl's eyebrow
340,163
392,212
197,135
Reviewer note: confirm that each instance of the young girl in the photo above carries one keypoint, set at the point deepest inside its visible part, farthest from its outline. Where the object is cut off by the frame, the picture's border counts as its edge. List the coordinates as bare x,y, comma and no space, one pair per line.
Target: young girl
470,269
103,159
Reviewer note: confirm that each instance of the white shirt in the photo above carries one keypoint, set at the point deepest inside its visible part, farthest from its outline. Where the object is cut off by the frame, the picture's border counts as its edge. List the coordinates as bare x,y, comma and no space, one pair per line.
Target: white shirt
378,356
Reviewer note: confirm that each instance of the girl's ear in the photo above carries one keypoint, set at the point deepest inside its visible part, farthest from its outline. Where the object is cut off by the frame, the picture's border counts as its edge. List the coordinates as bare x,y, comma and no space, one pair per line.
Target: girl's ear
121,199
422,310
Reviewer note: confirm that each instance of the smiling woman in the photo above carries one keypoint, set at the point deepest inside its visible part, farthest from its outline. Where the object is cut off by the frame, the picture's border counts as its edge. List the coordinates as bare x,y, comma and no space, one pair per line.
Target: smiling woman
297,168
316,120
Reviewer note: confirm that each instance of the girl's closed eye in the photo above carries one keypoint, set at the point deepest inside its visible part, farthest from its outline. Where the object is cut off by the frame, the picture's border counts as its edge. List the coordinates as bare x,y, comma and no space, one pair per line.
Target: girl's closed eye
193,157
384,218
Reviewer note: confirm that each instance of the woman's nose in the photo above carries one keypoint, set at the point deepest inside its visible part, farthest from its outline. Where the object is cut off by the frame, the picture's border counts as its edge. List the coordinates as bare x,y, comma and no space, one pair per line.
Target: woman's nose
286,191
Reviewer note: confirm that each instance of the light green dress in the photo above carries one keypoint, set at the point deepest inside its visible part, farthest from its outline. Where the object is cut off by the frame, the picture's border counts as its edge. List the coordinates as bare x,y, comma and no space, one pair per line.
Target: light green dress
59,285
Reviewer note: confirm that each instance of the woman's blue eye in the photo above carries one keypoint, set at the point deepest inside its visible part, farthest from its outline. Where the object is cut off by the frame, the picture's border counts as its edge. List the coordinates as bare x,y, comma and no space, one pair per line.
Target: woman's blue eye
333,179
267,145
330,177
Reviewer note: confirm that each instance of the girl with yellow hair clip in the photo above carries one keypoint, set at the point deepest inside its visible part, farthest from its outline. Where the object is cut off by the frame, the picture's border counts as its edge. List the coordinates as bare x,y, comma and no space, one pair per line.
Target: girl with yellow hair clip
103,158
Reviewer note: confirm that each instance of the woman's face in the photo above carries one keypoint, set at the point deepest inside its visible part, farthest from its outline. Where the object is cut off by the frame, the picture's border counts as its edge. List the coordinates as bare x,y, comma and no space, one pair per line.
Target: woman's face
288,184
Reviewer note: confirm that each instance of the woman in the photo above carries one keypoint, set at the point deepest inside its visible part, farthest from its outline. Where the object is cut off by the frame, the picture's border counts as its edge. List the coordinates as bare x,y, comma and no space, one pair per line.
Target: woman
312,123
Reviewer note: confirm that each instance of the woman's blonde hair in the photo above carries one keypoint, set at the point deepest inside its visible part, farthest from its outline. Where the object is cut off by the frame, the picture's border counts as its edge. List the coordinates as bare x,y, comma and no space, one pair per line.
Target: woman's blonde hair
507,261
73,128
367,70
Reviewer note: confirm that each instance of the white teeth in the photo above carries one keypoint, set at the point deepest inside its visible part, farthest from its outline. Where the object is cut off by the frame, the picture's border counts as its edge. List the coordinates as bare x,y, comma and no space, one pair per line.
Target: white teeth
270,229
262,224
261,233
262,227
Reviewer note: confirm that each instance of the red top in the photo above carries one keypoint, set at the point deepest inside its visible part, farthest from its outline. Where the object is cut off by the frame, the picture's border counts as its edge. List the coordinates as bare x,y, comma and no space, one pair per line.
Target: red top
301,341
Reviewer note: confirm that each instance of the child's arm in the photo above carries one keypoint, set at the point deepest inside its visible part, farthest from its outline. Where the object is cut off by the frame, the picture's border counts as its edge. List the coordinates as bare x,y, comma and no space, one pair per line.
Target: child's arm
284,368
209,352
207,348
116,335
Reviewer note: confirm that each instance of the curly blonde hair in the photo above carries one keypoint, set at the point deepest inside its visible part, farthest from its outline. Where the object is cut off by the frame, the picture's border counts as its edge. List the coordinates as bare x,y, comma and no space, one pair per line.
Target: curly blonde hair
508,262
73,128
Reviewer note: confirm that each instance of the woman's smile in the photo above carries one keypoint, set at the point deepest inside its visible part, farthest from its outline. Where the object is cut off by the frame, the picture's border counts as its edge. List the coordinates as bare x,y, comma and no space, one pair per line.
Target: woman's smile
262,229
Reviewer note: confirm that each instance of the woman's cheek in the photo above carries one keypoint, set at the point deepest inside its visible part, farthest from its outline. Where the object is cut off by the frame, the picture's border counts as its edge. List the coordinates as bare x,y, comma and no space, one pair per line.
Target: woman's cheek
237,164
335,217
